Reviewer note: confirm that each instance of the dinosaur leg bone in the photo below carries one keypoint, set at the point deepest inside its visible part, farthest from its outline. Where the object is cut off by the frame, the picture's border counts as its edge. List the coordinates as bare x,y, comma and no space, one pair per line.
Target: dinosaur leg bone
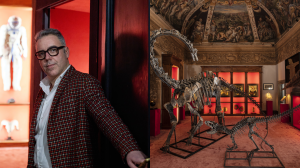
271,146
234,144
173,121
250,156
194,129
218,109
167,143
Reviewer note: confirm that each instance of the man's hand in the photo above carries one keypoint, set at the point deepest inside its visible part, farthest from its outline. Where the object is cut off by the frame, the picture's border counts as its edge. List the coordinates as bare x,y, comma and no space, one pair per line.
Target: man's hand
135,158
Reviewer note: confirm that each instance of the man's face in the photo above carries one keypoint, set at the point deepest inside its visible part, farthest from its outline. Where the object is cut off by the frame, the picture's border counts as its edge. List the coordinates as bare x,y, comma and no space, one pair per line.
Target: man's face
53,66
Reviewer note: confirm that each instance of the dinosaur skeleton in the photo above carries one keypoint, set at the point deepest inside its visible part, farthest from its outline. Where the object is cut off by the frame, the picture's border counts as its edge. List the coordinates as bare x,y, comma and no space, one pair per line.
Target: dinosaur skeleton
197,90
239,128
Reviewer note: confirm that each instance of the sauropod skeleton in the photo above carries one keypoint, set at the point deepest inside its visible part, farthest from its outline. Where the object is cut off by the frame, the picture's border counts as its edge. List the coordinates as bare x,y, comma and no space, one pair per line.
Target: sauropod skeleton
197,90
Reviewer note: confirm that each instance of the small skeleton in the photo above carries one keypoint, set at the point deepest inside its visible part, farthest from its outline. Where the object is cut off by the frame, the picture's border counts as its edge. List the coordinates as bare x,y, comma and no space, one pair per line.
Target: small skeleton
197,90
10,126
239,128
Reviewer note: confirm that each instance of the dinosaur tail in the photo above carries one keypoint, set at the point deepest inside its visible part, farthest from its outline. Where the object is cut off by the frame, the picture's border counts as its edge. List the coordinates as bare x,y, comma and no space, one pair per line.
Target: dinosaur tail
278,116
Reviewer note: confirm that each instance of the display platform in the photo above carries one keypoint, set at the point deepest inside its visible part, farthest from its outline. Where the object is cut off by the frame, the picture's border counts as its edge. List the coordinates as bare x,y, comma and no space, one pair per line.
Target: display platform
269,108
200,147
14,143
253,159
181,113
296,114
283,108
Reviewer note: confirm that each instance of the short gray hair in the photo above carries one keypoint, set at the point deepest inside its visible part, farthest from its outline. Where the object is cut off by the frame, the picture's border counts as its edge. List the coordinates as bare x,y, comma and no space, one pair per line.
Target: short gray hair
50,31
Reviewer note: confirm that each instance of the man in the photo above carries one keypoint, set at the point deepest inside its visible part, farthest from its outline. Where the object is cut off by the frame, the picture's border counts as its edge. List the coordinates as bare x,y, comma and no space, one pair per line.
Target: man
13,44
68,104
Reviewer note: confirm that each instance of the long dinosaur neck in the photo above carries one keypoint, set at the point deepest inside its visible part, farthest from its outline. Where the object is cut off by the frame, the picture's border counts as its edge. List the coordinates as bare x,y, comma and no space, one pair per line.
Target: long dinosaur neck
154,61
224,129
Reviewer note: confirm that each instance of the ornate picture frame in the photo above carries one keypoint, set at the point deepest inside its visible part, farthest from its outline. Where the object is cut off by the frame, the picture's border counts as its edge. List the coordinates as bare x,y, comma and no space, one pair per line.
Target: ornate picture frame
253,90
268,86
239,86
225,92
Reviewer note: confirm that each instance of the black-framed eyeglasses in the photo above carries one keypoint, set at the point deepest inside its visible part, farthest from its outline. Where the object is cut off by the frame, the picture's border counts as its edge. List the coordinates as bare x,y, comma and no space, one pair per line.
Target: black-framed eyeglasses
52,51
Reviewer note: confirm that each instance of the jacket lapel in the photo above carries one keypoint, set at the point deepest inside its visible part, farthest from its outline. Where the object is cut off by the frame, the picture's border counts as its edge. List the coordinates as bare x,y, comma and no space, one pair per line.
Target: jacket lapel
37,105
61,87
33,125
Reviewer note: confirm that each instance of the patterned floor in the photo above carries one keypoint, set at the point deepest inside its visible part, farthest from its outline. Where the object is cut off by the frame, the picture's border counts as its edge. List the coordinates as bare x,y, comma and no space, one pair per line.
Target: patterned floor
284,137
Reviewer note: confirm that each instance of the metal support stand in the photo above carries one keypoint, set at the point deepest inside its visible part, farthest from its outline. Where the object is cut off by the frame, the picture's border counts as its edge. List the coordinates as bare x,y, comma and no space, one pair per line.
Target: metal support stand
227,157
197,135
190,153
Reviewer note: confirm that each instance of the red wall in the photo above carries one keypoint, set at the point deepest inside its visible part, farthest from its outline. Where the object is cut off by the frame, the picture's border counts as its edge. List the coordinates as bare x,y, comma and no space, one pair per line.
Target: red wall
74,26
175,75
296,114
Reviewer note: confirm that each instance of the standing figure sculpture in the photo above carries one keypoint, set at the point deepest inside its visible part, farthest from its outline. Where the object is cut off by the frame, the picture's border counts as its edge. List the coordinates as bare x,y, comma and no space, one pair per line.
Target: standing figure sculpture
13,44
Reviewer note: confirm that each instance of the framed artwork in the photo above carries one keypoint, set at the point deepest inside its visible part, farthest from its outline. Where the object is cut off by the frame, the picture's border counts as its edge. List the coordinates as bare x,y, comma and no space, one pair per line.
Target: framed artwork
268,86
225,92
253,90
241,88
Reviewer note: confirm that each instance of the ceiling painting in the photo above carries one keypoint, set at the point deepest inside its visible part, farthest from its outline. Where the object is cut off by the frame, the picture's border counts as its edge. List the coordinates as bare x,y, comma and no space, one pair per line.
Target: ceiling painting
229,21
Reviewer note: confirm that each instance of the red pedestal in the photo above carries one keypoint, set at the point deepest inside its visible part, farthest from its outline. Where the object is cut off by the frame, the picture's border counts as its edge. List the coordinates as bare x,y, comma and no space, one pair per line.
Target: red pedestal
296,113
154,122
283,108
175,112
269,108
181,113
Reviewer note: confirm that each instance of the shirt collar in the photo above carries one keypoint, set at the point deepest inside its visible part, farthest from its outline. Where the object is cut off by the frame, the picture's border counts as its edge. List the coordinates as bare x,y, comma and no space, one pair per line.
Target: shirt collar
45,83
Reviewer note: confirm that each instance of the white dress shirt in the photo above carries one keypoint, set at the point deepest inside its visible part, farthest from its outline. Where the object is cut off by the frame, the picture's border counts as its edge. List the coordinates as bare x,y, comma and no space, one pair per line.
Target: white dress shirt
41,151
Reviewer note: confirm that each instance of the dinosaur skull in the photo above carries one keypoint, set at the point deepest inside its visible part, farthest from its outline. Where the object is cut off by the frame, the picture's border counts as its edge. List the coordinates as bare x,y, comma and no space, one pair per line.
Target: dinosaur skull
213,125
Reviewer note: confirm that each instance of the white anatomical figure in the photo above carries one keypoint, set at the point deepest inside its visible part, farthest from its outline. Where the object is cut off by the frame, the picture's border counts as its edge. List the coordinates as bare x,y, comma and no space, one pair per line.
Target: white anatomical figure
10,126
13,44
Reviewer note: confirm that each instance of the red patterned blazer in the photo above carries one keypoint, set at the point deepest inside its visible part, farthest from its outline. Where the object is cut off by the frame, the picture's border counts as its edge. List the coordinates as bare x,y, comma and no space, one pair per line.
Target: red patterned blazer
79,100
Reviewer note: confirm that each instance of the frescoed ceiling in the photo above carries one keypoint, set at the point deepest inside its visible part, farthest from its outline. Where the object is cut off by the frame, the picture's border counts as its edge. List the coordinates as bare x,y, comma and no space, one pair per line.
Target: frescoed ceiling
230,21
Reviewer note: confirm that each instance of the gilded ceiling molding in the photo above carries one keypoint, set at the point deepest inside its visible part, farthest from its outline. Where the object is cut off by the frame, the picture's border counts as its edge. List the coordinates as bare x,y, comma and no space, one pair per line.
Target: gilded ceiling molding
229,58
252,20
165,46
289,43
197,7
290,48
159,20
208,20
272,17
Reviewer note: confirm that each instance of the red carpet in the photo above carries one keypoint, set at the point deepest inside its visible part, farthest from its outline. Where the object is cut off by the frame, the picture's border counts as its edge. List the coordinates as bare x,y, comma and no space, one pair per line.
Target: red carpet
14,157
284,137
